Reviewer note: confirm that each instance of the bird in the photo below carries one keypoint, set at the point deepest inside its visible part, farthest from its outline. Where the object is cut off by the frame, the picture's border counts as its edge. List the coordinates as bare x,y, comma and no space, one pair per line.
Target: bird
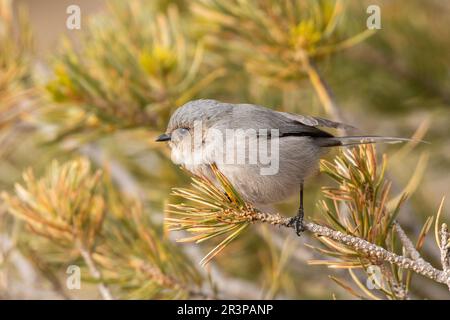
206,132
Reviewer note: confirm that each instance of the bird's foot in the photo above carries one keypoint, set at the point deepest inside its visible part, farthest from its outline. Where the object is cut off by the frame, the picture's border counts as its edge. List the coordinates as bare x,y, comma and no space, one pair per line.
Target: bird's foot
298,224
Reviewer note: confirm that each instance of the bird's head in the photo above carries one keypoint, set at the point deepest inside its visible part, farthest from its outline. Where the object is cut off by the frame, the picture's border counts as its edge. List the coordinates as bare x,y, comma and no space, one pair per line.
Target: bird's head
194,115
188,127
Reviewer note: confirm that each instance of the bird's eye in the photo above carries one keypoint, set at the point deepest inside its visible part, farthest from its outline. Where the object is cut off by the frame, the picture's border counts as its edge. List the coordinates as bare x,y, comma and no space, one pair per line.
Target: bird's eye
183,130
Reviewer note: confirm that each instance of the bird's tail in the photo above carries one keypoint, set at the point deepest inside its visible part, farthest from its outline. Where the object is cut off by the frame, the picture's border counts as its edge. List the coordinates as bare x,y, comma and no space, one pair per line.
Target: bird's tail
357,140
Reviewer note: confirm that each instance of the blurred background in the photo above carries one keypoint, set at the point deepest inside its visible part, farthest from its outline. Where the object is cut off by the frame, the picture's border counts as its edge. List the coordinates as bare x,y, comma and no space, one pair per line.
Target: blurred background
106,90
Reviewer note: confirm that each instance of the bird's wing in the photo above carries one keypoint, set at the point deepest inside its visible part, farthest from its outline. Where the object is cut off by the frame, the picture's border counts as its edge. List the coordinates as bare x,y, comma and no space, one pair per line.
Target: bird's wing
257,117
317,121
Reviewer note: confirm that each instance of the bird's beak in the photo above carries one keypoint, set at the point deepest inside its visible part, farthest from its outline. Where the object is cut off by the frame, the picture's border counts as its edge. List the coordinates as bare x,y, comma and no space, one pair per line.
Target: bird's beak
163,137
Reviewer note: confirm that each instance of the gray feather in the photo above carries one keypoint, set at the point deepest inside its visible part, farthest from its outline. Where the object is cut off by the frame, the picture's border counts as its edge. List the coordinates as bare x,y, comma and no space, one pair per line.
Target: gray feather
357,140
318,122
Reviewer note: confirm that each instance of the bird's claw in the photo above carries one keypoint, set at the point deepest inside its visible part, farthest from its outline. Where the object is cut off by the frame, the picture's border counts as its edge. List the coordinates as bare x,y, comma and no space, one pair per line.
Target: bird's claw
297,223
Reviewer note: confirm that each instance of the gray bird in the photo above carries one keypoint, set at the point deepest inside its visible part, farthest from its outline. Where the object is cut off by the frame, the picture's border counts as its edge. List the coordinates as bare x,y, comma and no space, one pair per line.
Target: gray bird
198,131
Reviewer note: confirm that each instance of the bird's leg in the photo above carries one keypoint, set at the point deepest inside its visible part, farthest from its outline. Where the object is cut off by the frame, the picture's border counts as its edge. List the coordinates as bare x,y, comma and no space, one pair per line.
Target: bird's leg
297,221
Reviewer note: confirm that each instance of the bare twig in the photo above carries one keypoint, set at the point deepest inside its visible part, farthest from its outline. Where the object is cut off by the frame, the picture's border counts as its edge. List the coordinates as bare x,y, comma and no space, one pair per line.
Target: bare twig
445,252
370,250
407,243
95,273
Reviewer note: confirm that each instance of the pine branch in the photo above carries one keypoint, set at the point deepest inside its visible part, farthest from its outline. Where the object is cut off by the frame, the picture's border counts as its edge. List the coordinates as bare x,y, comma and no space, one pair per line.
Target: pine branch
288,50
229,287
220,211
166,281
370,250
73,212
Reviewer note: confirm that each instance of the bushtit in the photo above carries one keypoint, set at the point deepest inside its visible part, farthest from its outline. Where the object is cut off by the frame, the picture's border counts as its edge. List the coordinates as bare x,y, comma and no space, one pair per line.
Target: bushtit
237,138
